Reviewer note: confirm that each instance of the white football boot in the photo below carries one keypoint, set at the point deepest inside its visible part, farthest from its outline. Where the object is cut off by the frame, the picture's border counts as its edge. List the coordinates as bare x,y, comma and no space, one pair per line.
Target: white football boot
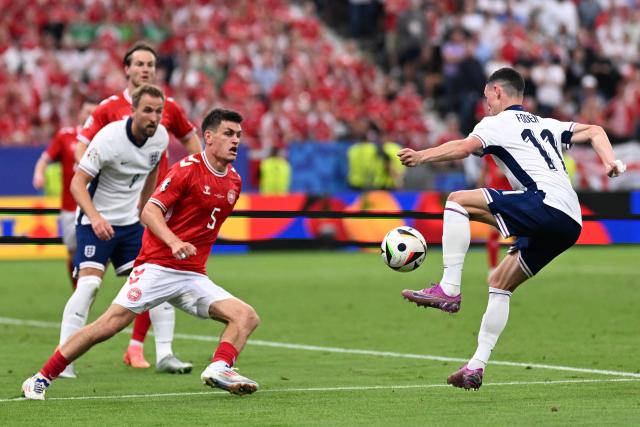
35,387
228,379
172,365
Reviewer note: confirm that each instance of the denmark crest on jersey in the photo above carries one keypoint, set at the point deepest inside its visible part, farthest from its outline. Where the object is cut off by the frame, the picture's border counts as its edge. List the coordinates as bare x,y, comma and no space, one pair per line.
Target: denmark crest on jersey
232,195
153,158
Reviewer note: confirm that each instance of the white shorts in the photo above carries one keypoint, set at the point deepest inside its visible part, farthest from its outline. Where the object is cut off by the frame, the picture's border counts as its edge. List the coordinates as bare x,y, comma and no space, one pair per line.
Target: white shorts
150,285
68,222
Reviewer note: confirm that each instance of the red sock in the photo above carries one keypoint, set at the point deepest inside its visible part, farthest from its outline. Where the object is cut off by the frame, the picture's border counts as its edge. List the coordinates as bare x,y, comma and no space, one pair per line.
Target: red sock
54,365
74,280
141,326
225,352
493,248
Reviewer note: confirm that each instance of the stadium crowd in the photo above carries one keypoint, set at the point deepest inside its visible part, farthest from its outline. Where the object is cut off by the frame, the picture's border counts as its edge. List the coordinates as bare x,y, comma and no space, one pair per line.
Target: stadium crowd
275,62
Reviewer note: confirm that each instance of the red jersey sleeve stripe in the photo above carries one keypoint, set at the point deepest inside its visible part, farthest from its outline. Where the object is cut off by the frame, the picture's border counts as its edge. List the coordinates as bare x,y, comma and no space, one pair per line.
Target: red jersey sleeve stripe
158,203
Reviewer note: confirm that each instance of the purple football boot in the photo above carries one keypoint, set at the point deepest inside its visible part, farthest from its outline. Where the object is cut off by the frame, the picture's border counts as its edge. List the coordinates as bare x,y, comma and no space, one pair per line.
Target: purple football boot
434,297
466,378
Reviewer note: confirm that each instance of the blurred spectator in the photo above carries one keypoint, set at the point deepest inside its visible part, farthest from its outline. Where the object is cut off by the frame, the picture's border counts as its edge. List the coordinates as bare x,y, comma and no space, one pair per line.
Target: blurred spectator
549,78
275,173
373,164
276,55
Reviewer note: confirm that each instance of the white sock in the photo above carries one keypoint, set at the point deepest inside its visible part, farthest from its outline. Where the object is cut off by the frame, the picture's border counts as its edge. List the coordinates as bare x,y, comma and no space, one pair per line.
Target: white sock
163,319
136,343
220,364
493,323
456,235
76,311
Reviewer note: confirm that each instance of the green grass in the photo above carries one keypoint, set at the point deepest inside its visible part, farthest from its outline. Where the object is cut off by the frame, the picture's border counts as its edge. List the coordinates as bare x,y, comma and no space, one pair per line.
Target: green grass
579,312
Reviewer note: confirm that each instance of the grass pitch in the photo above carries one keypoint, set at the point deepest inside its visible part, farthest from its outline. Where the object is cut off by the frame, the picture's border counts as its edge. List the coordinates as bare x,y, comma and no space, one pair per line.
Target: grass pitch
339,346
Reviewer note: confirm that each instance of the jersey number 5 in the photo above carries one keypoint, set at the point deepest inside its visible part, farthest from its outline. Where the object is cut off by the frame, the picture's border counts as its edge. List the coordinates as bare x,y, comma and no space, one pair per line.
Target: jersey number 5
527,135
212,224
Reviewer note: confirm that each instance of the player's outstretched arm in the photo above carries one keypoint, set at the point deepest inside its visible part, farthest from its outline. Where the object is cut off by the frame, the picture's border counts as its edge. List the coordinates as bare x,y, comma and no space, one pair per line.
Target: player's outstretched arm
583,133
192,143
153,217
452,150
38,171
78,188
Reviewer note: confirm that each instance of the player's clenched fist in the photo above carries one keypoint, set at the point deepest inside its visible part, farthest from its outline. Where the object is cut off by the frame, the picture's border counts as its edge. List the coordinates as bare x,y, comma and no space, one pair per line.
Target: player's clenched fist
182,250
616,168
409,157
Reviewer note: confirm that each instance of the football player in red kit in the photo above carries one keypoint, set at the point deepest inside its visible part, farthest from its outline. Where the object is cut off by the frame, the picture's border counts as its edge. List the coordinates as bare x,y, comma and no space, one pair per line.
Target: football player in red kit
140,67
62,149
492,177
183,218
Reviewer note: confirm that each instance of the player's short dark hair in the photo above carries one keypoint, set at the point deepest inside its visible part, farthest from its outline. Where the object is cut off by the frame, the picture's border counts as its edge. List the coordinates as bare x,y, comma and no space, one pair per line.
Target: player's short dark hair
136,47
148,89
216,116
510,80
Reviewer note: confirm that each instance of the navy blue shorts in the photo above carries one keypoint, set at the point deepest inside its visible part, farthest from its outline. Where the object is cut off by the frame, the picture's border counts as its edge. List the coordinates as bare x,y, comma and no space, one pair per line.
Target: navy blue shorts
122,249
542,232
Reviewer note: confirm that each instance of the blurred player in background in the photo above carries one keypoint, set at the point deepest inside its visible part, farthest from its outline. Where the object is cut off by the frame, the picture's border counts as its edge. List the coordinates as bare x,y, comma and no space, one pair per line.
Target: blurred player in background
542,211
116,175
492,177
183,218
140,67
62,149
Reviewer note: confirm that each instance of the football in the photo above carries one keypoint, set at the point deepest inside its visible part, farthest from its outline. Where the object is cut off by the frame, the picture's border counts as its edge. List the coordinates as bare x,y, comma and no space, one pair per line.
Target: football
403,249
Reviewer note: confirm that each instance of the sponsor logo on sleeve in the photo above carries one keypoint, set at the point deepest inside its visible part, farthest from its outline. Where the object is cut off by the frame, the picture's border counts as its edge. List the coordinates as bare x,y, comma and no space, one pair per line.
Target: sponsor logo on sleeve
92,154
165,184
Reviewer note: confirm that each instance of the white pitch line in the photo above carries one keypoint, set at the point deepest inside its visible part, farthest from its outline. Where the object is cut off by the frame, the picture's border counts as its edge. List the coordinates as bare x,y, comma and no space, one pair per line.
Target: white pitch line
329,389
273,344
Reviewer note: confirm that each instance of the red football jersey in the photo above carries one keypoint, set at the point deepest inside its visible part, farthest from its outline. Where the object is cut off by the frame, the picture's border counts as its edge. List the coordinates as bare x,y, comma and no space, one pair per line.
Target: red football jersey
118,107
62,149
494,177
196,200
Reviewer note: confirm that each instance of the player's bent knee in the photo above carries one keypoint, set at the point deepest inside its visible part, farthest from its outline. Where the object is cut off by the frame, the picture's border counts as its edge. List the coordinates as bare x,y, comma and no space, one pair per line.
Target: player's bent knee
236,311
251,320
456,196
246,317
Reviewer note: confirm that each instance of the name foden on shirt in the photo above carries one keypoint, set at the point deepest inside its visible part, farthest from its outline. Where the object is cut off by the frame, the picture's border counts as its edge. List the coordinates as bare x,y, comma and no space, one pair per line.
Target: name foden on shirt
527,118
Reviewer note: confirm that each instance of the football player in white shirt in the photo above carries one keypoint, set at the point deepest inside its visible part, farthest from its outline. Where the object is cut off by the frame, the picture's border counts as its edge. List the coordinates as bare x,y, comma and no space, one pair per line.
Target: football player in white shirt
115,176
542,210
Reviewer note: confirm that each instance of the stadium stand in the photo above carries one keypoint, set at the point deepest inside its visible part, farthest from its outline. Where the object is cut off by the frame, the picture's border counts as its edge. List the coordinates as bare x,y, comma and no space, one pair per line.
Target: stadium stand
403,64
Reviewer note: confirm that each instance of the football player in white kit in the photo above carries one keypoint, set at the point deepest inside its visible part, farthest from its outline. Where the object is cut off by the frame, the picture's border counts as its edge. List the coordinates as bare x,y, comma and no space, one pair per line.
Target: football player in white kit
542,211
115,176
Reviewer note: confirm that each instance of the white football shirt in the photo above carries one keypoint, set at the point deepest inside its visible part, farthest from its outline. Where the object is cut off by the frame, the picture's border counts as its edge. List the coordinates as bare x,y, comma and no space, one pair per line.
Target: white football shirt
528,149
119,169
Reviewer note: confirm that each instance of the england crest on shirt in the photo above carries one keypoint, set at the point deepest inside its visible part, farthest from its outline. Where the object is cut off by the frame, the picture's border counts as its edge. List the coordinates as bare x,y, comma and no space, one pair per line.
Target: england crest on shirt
153,158
89,251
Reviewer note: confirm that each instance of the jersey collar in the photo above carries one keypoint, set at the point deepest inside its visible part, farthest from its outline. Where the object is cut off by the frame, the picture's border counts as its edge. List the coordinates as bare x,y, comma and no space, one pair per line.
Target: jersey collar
516,107
130,134
211,169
